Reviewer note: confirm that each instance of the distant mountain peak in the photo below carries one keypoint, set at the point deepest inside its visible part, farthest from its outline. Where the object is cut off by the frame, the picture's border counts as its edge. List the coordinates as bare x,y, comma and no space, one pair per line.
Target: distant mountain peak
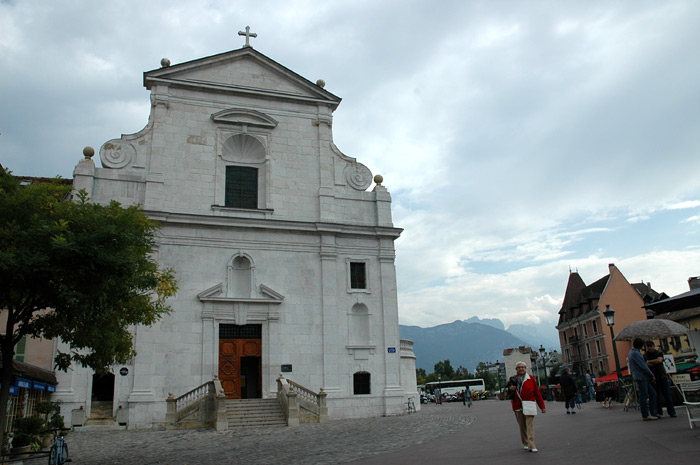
493,322
464,343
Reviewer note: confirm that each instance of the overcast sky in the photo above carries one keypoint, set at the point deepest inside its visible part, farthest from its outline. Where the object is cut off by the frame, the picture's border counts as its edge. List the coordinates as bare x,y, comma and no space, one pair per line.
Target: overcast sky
518,139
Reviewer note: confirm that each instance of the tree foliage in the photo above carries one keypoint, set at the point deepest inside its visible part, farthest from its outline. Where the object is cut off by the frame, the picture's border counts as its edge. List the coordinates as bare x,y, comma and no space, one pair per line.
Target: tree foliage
490,380
444,369
78,271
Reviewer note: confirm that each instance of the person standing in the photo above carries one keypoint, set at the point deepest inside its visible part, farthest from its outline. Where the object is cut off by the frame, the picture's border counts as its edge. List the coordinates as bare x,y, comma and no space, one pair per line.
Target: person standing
523,389
590,384
438,396
469,396
568,386
644,379
655,362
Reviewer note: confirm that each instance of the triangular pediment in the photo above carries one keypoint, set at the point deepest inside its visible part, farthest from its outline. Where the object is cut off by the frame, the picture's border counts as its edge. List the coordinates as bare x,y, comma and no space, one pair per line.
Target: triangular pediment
217,293
243,71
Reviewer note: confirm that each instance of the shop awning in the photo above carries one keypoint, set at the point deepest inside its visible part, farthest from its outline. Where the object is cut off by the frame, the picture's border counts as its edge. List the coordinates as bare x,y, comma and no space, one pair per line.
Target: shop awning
686,367
611,378
28,376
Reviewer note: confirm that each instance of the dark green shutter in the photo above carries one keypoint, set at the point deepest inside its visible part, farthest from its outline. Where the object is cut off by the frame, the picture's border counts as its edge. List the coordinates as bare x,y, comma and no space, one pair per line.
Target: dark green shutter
241,187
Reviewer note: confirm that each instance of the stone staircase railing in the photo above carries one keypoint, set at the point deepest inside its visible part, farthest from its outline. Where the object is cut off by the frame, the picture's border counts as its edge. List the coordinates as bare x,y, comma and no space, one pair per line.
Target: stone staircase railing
204,406
301,405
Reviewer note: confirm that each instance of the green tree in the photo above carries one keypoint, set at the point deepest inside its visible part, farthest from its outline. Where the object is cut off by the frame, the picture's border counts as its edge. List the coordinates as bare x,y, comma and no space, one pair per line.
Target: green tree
490,380
421,376
444,370
462,373
77,271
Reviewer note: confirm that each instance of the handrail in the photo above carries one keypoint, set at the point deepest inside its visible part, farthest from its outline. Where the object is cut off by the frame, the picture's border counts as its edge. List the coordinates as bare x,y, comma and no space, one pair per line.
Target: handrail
293,397
194,401
193,396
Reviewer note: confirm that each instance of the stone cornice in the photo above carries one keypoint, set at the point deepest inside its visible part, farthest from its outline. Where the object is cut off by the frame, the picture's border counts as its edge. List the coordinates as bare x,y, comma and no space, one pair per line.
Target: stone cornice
203,86
167,218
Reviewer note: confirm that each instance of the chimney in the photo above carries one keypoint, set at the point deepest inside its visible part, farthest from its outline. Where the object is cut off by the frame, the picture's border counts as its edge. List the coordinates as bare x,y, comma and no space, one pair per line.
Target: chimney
694,282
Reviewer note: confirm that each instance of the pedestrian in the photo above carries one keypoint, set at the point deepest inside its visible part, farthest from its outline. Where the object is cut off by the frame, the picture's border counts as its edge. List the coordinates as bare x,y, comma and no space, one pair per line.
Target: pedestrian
644,379
655,362
568,386
525,398
438,396
469,396
463,395
590,384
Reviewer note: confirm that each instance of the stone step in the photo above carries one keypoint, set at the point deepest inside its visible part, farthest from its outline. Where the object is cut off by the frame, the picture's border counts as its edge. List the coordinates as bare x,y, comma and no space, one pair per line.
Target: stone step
251,413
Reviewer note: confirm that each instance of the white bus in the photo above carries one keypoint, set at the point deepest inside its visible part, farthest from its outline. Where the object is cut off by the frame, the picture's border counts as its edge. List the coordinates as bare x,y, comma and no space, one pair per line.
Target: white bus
455,386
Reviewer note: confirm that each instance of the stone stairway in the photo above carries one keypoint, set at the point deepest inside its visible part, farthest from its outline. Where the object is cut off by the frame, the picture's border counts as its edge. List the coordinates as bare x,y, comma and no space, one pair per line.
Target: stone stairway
252,413
101,417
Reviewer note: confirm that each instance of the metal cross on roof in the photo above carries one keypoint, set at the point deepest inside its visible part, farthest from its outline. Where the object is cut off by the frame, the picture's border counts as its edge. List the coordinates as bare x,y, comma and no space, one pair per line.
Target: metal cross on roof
247,35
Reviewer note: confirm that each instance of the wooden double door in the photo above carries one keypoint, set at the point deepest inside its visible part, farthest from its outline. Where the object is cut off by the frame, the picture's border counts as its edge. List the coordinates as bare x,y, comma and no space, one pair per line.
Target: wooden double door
240,353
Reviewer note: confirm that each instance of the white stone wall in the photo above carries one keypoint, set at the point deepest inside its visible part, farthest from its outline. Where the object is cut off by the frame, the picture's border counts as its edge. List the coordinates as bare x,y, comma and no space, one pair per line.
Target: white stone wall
314,215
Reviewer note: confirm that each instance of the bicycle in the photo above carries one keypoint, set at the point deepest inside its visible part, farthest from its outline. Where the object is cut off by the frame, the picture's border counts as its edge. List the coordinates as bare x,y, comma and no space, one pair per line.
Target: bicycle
58,454
410,406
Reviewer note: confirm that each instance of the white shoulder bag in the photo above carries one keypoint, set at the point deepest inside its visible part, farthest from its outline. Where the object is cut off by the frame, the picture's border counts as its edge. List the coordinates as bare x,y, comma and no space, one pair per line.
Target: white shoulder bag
529,406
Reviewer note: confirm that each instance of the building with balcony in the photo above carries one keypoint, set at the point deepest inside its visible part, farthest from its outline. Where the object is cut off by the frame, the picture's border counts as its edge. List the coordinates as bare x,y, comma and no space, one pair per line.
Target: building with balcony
585,339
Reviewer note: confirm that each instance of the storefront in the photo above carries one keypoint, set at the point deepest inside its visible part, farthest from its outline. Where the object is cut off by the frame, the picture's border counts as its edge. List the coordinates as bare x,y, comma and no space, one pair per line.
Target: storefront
30,386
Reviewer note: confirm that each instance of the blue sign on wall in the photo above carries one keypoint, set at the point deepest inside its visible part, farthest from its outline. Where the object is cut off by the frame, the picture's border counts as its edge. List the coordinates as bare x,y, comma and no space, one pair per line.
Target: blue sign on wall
23,383
391,350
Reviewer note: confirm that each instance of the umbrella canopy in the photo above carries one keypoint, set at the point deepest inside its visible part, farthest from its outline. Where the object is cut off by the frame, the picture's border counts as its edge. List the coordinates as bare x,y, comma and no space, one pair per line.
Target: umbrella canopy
651,329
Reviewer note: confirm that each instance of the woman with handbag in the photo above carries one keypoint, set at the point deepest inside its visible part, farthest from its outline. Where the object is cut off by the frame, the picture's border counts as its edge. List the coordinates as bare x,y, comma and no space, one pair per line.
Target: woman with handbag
526,397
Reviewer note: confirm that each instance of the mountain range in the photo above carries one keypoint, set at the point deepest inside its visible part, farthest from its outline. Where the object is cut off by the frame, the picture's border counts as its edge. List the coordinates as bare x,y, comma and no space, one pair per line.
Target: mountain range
468,342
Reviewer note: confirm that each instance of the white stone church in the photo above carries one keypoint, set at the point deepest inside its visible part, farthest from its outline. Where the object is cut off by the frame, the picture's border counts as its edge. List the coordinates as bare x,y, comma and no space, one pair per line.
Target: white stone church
284,258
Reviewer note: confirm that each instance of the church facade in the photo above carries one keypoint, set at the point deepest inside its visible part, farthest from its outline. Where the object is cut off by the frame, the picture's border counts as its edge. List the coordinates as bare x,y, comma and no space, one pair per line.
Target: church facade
284,256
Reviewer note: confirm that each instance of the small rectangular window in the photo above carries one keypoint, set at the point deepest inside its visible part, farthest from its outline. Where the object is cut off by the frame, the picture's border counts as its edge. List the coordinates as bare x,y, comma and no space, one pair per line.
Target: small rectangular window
597,346
595,327
358,275
241,187
588,350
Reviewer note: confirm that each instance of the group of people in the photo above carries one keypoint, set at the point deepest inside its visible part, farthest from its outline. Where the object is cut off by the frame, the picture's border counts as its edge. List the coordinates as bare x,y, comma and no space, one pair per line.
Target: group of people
647,370
652,381
466,396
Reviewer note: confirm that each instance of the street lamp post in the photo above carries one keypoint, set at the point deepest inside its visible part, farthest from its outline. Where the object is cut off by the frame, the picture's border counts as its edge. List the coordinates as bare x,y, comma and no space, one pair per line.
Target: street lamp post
609,315
544,365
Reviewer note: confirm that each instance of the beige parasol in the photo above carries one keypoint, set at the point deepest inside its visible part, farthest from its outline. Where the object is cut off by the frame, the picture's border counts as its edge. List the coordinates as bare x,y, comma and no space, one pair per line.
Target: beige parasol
652,329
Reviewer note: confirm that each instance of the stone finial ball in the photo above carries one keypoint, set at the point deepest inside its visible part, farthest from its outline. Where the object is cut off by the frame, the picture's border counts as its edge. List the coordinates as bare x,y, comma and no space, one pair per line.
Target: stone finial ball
89,152
164,63
321,83
378,179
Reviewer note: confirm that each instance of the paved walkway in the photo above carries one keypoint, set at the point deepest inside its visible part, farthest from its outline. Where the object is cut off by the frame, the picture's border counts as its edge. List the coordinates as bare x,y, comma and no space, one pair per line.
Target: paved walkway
447,434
